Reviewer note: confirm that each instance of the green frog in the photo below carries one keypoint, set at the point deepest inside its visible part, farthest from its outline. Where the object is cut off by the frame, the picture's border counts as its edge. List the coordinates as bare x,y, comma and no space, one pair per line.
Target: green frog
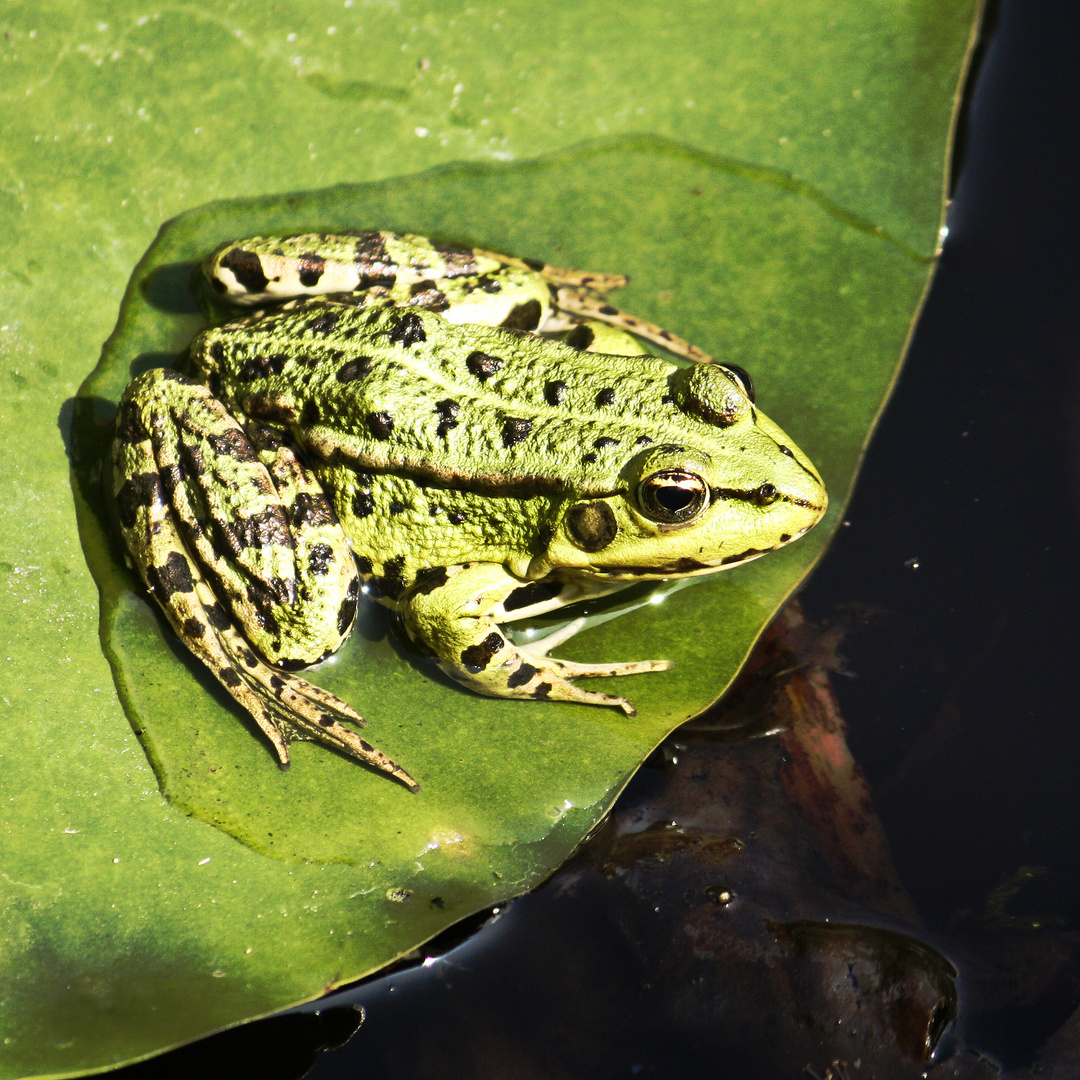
464,437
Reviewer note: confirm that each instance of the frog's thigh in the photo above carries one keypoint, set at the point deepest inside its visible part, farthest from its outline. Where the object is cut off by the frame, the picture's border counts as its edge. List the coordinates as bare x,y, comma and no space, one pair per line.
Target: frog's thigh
327,581
450,613
314,264
265,539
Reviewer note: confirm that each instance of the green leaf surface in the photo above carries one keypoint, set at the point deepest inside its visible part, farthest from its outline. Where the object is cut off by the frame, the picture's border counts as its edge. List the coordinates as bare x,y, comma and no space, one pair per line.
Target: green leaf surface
769,174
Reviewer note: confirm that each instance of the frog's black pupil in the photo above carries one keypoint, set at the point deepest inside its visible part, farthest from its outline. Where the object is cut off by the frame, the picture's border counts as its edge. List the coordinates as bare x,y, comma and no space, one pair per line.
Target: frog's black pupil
674,499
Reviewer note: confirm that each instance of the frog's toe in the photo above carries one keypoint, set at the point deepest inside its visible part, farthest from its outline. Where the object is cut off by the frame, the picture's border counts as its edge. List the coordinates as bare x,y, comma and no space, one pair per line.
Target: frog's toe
572,670
331,732
543,645
551,687
593,697
537,650
289,708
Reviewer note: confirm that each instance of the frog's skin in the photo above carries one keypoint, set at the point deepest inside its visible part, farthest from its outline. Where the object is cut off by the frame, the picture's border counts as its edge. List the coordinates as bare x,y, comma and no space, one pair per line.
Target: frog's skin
391,438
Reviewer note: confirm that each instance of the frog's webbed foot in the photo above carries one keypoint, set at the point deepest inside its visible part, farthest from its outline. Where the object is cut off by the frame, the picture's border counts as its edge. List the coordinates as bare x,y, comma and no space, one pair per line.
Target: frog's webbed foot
285,706
453,620
185,472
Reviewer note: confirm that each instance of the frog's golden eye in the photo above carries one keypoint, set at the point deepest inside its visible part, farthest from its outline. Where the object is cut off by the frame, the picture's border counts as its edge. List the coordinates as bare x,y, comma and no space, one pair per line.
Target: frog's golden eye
742,377
673,496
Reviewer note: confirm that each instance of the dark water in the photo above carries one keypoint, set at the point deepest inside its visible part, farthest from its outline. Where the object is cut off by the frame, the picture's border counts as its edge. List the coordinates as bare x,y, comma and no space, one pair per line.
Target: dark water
957,578
964,529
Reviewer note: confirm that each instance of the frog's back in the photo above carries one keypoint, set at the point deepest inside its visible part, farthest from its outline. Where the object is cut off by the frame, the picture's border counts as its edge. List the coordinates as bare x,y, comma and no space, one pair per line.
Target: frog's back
402,389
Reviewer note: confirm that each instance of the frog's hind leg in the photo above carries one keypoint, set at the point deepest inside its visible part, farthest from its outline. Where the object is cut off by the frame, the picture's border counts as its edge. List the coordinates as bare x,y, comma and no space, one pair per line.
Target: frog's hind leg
578,303
165,427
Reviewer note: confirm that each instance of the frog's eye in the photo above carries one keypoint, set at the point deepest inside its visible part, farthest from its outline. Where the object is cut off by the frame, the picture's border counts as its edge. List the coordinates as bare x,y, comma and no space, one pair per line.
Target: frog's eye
743,379
674,496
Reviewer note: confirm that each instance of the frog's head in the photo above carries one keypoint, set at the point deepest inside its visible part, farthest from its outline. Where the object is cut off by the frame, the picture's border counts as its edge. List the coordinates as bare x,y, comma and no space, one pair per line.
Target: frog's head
732,488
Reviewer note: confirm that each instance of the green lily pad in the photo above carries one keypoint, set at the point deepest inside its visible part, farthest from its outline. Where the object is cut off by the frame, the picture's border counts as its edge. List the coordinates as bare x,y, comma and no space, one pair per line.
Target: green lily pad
498,772
160,884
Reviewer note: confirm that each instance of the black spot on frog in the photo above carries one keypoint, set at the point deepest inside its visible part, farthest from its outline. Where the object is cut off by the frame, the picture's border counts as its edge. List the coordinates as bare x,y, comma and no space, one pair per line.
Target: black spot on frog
482,365
247,268
477,657
409,331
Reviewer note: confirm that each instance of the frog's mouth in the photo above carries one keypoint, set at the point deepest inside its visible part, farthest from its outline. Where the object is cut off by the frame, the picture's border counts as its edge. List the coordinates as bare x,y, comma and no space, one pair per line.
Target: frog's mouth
686,567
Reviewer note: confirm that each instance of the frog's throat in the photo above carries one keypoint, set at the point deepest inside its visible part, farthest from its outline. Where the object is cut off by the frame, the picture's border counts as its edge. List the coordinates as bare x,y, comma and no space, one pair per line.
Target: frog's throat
680,568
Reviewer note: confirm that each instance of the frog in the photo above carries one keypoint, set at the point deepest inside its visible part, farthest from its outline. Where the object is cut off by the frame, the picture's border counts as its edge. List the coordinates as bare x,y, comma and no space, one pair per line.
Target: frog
462,436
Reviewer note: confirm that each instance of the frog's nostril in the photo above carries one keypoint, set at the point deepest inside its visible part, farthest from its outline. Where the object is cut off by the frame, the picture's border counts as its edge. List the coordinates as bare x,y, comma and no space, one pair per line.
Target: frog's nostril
765,494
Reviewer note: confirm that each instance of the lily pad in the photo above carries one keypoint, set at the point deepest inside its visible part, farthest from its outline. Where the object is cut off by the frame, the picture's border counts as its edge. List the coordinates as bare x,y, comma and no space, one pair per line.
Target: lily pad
155,888
498,772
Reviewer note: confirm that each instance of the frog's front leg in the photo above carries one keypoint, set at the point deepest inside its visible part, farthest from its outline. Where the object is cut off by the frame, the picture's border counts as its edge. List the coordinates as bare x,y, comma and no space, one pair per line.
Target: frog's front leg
449,614
238,544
